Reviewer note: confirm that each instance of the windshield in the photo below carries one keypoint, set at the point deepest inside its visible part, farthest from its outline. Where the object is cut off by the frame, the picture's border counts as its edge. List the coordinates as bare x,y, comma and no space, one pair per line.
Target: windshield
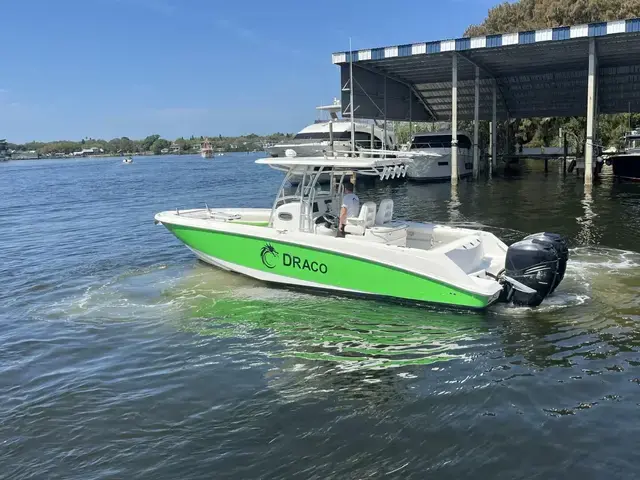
439,141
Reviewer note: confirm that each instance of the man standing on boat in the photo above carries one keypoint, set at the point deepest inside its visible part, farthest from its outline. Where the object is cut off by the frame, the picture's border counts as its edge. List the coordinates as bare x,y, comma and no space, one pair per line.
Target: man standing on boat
350,206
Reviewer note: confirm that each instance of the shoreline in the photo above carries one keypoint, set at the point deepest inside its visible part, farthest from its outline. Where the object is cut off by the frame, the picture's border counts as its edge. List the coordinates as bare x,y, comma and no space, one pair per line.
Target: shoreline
132,155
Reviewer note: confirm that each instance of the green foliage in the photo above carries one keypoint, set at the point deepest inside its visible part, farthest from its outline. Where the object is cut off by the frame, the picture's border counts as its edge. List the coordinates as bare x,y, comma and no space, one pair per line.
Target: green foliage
159,144
146,144
64,146
536,14
151,144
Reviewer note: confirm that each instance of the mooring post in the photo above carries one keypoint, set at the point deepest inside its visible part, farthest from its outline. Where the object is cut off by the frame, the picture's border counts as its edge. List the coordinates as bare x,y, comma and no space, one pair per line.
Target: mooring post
454,120
566,153
591,112
494,127
476,127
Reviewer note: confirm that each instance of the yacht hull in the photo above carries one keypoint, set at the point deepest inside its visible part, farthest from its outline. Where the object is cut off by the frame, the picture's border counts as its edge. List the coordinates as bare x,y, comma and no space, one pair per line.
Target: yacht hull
266,258
438,169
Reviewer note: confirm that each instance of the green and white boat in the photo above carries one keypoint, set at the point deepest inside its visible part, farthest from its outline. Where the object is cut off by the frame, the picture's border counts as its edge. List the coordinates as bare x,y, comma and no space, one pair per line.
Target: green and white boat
294,243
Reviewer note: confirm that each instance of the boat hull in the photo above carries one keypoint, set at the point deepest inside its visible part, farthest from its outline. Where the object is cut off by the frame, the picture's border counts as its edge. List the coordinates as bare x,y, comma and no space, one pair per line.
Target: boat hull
438,169
274,261
626,166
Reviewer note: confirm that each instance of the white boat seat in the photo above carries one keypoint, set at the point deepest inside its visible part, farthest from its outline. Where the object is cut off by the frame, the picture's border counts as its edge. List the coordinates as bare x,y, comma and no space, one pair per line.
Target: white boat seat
391,233
385,212
366,219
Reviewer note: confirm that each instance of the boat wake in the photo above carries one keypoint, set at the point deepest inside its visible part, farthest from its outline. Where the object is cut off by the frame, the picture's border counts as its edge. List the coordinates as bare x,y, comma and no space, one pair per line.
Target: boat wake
307,330
593,274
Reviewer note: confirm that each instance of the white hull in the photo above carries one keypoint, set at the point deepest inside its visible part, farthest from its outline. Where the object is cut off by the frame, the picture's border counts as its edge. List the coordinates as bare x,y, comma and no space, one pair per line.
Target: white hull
434,169
453,256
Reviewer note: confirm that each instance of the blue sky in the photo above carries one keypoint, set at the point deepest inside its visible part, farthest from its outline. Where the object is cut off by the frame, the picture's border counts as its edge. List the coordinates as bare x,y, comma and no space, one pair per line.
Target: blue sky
104,68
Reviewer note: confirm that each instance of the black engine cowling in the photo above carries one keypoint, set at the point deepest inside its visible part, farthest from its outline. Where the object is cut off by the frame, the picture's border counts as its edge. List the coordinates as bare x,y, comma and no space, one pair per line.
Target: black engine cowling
561,246
538,262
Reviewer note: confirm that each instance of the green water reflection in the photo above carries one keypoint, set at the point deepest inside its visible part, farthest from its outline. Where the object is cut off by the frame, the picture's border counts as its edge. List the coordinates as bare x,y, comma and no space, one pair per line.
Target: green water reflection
324,328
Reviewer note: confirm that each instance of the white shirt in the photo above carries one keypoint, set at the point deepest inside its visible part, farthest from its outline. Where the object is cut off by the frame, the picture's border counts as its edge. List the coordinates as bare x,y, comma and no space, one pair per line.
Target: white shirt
352,203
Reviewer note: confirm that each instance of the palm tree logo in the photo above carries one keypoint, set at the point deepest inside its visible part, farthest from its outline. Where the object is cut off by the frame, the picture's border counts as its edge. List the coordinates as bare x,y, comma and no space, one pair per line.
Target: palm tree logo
266,253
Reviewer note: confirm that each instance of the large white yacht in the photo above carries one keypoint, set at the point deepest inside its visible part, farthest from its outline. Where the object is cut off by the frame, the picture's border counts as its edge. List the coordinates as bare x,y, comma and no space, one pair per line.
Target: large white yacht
334,134
429,168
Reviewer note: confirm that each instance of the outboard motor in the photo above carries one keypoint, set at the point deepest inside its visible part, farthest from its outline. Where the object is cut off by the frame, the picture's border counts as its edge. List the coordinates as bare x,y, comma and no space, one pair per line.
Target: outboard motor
533,268
560,244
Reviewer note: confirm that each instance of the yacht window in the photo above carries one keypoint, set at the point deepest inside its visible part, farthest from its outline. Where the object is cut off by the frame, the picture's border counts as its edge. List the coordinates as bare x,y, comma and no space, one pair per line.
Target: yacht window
363,139
285,216
312,136
439,141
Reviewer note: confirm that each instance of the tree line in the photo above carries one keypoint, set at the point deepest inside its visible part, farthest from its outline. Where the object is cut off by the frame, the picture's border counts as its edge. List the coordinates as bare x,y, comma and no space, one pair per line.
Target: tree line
154,144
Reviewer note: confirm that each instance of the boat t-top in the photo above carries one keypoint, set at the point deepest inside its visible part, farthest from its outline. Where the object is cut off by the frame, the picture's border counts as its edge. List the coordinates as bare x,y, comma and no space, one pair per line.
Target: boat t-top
295,244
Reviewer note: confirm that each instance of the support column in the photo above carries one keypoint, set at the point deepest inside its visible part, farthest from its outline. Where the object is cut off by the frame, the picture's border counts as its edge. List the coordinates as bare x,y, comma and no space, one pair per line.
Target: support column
506,135
494,127
384,140
591,112
410,114
476,126
454,121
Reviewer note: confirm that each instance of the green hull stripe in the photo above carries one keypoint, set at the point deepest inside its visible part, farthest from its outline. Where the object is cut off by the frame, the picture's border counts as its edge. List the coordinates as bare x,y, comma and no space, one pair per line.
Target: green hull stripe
323,267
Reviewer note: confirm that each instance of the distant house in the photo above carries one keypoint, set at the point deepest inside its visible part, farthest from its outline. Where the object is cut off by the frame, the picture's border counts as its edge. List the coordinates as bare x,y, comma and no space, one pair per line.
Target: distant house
88,151
175,148
164,151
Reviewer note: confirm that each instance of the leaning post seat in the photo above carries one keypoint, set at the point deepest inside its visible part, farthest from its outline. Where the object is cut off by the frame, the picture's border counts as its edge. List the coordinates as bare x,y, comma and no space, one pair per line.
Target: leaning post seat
385,229
366,219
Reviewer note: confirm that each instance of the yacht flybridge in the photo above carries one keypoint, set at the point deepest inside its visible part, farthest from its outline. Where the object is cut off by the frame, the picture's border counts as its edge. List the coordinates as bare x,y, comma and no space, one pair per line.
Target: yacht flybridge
295,243
335,133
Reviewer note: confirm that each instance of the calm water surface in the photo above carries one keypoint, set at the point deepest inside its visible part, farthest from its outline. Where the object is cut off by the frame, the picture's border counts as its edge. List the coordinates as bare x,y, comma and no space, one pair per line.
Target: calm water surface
121,356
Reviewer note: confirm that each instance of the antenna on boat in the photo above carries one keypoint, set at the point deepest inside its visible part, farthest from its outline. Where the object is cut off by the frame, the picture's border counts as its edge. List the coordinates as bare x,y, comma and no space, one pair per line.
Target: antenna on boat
353,126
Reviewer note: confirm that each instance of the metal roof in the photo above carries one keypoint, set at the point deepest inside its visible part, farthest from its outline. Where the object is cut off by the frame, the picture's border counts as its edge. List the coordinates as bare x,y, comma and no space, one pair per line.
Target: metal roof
540,73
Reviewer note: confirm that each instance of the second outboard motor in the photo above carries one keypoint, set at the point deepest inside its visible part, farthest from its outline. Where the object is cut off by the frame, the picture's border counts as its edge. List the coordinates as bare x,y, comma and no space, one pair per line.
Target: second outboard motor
560,244
531,268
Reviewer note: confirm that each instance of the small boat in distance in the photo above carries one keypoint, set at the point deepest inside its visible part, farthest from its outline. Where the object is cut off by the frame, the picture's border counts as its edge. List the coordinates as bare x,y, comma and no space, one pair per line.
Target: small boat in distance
206,149
626,164
127,160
